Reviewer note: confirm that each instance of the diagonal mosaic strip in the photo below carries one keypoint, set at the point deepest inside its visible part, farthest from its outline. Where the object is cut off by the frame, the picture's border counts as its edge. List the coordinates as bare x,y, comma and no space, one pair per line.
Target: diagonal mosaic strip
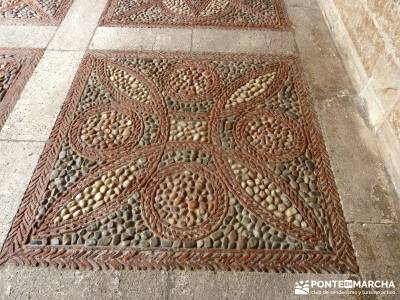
33,12
16,66
164,161
188,13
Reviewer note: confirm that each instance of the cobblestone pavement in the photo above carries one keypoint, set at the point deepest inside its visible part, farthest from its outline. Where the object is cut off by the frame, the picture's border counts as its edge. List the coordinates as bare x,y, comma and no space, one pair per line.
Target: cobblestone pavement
33,12
243,151
187,13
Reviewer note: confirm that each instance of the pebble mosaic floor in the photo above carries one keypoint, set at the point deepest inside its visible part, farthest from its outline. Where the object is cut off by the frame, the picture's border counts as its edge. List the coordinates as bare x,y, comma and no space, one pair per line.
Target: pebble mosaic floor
33,12
16,66
188,13
183,161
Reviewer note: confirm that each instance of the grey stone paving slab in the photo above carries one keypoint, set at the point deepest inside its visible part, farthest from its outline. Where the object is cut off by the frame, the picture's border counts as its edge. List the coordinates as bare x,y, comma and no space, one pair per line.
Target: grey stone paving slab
17,162
35,112
302,3
320,59
173,40
363,185
26,37
243,285
78,26
378,251
358,168
53,284
112,38
242,41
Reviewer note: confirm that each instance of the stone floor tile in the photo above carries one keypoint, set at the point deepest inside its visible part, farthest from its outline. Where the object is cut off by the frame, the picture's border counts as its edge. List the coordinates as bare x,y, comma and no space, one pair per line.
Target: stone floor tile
303,3
79,25
378,252
112,38
173,40
26,36
243,285
366,193
243,41
36,110
19,159
320,59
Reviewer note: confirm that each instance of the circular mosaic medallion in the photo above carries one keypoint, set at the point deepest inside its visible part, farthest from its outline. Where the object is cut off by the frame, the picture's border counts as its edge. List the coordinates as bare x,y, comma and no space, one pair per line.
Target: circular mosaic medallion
191,81
104,131
185,202
275,136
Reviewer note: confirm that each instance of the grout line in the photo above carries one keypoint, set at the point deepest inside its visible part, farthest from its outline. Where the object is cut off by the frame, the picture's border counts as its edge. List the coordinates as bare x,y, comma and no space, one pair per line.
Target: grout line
52,37
157,31
297,6
371,223
21,141
191,40
66,50
93,34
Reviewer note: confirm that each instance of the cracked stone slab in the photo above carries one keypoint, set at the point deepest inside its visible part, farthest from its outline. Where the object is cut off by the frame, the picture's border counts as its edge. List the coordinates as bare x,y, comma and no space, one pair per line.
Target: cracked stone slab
33,12
184,161
259,14
16,66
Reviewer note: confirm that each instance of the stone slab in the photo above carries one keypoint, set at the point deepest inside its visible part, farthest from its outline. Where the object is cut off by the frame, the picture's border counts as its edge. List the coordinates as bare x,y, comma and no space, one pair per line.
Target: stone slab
26,36
35,112
79,25
243,41
113,38
19,159
364,187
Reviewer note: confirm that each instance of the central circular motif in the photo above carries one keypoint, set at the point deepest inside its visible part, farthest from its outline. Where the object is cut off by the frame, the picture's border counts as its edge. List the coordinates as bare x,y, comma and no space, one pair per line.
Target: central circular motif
104,131
185,202
275,136
184,199
191,81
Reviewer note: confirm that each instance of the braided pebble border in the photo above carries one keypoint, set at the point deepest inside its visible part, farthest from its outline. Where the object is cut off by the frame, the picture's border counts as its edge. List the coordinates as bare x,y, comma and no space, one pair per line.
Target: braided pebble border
340,260
31,57
282,25
44,19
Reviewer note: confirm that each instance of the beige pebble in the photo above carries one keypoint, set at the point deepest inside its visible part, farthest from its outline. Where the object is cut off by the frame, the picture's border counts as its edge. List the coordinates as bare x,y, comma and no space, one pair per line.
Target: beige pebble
98,196
291,211
281,207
